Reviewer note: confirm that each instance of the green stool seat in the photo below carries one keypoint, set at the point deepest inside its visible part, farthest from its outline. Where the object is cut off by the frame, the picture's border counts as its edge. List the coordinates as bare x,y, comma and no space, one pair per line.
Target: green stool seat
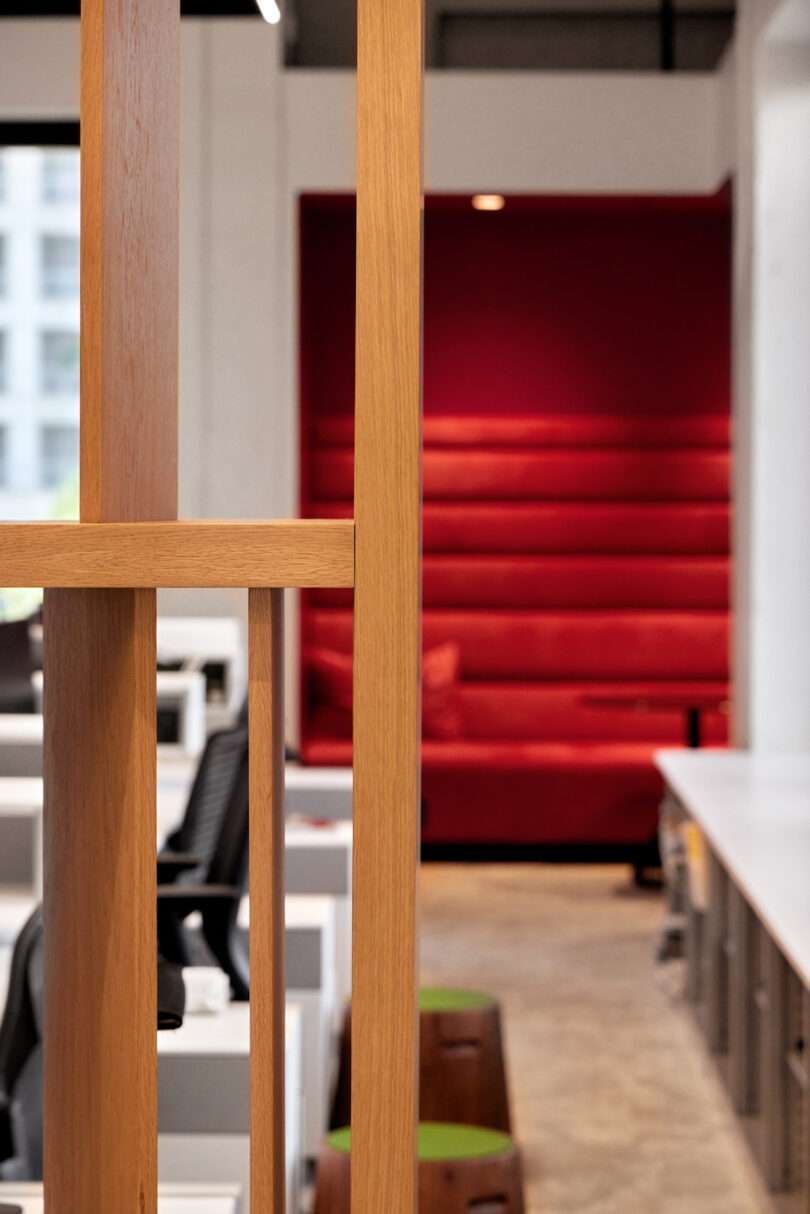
461,1168
442,1140
451,999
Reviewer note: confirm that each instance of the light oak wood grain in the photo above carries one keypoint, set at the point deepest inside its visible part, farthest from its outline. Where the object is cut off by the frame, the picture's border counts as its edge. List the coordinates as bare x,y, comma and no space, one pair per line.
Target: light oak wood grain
266,690
387,606
297,553
130,149
100,905
100,1108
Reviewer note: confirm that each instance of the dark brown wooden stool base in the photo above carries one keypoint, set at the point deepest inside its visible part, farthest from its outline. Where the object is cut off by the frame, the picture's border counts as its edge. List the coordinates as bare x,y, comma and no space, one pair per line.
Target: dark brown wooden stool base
462,1170
462,1076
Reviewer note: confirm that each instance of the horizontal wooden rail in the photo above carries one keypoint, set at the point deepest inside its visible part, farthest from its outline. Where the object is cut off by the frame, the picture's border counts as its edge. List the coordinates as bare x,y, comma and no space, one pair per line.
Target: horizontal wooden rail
297,553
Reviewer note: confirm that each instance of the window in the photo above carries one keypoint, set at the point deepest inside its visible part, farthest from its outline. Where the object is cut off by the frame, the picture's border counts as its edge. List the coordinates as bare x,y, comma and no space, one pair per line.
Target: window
60,177
59,454
60,363
60,266
3,456
39,344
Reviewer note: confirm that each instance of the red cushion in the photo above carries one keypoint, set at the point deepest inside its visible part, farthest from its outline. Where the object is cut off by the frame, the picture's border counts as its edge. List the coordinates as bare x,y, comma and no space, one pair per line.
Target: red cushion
578,430
548,475
588,645
501,792
657,528
331,691
441,714
473,580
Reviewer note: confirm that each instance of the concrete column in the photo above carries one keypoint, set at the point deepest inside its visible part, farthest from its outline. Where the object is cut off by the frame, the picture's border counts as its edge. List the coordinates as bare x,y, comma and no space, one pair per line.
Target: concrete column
772,379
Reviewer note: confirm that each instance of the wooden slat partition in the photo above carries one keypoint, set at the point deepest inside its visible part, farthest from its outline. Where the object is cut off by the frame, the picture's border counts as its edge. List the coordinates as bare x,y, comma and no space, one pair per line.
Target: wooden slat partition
99,639
100,1104
266,679
387,606
198,553
130,123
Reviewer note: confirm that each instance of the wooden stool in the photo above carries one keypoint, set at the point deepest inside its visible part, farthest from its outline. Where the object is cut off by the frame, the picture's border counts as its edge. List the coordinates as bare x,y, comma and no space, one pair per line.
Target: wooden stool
462,1077
461,1168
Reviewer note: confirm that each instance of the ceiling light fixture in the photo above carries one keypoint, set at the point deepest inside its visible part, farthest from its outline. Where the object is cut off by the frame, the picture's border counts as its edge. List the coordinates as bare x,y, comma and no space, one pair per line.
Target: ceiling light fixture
270,11
489,202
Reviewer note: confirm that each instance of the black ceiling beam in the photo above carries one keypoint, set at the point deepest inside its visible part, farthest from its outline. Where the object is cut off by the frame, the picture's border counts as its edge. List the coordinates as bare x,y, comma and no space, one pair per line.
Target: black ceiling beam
54,133
72,8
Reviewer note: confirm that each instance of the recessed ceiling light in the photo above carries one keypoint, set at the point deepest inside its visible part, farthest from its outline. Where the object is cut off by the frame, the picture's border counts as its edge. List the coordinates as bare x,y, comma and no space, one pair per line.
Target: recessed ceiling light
270,11
489,202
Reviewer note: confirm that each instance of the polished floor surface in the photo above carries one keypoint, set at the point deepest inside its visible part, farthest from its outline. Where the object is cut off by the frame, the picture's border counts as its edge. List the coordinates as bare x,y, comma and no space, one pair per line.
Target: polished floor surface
615,1104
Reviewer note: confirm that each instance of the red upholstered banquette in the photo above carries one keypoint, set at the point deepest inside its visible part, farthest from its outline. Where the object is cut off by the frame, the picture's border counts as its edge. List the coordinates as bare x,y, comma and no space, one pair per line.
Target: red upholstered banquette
566,557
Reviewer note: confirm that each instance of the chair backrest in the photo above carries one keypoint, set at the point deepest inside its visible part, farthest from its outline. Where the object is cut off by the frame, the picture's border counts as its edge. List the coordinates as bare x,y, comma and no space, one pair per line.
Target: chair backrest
229,863
16,667
211,794
21,1054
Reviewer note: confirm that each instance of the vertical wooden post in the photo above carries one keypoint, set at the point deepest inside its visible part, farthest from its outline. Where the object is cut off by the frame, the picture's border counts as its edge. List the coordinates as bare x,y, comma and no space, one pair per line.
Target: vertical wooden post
266,680
100,1109
387,606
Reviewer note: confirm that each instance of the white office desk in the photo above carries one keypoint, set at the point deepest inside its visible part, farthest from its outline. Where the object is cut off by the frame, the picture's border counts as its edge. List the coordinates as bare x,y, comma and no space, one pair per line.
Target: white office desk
204,1100
755,813
310,975
318,860
21,851
199,640
319,792
172,1199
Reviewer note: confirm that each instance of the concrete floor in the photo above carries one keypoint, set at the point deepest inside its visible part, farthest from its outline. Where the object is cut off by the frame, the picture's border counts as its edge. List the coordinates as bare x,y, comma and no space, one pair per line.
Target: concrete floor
615,1103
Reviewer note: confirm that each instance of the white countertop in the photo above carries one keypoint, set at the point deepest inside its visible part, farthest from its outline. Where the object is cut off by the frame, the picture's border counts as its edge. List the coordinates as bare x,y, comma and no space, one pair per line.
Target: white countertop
755,813
172,1198
225,1034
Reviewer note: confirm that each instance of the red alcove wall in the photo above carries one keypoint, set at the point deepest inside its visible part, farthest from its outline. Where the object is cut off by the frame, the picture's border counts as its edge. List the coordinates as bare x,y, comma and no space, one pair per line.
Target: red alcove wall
564,307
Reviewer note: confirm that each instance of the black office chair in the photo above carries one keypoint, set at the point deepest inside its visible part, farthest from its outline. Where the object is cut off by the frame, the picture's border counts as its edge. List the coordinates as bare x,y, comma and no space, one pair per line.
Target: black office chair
189,850
21,1050
216,894
16,667
21,1059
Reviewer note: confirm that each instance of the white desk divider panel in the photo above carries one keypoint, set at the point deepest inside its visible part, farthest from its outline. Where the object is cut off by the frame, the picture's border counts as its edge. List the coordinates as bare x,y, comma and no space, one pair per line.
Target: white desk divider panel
180,691
310,972
172,1199
318,860
197,641
15,908
318,792
21,799
203,1101
21,834
20,744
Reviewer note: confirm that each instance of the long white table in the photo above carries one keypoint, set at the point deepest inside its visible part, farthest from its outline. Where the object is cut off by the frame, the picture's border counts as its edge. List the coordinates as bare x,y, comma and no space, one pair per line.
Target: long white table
746,821
755,813
172,1198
